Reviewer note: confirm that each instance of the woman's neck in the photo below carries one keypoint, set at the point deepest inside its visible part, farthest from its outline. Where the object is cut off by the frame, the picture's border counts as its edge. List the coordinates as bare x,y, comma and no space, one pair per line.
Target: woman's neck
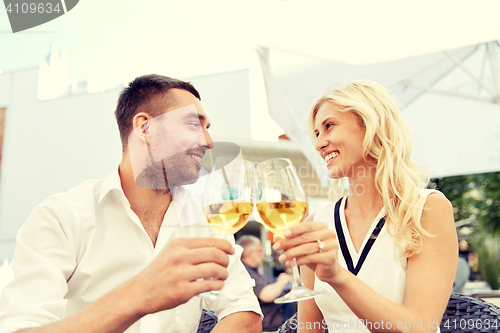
364,198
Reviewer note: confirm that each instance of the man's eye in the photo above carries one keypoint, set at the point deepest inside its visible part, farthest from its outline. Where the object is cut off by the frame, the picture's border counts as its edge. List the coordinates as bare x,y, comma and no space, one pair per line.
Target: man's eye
195,125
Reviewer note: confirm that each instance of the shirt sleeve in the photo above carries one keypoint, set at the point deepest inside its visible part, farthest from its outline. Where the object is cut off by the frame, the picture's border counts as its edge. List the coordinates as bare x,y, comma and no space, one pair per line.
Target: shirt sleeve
239,285
43,261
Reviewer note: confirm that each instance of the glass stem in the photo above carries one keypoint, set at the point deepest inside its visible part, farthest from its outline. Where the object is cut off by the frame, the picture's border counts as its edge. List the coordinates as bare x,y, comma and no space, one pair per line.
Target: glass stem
297,281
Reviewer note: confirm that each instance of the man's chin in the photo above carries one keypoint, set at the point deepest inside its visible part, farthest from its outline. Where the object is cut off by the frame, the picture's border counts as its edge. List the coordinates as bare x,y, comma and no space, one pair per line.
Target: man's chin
186,180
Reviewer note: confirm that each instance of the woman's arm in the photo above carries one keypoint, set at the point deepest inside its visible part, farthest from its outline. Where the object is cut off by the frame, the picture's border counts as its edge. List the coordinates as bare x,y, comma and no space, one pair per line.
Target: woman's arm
308,311
430,273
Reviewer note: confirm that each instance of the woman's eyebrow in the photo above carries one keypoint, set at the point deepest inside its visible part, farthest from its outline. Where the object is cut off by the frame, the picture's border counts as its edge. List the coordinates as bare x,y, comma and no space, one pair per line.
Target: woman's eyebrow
329,119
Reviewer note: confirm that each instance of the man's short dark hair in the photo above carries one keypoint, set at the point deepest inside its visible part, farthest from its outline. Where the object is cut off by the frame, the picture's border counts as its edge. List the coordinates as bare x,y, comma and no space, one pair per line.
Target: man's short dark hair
147,94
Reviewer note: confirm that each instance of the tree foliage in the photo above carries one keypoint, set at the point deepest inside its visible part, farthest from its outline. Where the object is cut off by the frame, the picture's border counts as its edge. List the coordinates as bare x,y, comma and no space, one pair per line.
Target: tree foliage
474,197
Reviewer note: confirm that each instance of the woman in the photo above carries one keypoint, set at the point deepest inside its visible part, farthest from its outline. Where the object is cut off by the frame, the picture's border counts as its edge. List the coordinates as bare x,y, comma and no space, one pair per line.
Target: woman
402,281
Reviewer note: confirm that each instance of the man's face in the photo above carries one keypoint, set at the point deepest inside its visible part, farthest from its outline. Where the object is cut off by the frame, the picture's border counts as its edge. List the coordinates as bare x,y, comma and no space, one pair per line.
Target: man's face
178,139
257,255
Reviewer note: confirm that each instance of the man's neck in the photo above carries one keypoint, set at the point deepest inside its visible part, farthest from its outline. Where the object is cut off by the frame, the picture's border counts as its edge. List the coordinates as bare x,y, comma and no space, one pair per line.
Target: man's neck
149,205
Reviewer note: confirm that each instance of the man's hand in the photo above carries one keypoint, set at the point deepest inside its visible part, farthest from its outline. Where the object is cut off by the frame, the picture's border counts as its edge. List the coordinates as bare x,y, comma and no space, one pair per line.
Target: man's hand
273,290
283,279
183,269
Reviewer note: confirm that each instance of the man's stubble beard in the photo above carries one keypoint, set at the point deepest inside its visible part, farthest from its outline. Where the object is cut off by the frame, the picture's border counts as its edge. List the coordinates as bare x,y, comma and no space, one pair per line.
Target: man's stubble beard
163,175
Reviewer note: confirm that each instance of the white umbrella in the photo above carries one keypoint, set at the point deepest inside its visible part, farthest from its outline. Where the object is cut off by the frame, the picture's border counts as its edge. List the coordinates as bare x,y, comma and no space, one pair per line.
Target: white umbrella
450,98
439,58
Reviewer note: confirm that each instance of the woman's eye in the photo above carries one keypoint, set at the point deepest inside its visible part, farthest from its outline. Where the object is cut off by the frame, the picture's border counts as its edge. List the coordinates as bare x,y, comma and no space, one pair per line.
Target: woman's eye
195,125
329,125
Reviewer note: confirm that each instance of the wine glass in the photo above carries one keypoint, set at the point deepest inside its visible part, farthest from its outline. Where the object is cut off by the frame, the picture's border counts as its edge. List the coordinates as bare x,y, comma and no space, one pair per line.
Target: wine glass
228,203
281,204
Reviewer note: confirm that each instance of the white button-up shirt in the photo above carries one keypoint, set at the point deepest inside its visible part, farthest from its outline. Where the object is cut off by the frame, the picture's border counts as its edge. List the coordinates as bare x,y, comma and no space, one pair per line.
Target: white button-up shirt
77,246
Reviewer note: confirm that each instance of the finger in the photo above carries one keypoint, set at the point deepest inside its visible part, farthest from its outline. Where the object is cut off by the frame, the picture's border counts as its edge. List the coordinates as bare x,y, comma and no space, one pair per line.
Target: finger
222,244
202,286
204,271
306,249
315,258
303,228
309,237
208,255
299,230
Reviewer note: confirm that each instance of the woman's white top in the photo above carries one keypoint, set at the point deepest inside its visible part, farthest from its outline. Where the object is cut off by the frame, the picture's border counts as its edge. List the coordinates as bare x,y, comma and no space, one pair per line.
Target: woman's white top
384,270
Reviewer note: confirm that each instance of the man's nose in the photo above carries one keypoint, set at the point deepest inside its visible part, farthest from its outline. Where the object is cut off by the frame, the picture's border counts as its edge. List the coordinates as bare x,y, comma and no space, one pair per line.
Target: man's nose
208,139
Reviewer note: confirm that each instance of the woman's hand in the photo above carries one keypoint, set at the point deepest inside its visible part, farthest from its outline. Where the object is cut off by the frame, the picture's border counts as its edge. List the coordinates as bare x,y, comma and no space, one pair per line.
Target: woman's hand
300,242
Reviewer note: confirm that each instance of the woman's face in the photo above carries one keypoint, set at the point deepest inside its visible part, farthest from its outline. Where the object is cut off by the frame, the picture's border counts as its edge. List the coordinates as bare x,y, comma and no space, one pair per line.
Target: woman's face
340,142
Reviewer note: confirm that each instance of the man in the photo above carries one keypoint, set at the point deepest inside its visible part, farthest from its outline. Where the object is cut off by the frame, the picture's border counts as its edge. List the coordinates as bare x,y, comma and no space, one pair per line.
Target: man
252,258
130,252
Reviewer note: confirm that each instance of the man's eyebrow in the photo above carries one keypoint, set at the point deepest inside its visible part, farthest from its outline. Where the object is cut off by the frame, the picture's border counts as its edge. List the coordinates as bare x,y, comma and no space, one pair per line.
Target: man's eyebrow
201,117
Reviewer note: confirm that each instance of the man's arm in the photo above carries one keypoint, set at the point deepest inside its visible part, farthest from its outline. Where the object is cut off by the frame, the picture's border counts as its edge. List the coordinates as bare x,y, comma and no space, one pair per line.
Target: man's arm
170,280
110,313
273,290
246,322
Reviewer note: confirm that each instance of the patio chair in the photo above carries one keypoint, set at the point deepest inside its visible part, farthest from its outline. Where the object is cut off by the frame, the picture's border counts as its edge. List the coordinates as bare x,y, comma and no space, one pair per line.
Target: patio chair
463,314
208,321
466,314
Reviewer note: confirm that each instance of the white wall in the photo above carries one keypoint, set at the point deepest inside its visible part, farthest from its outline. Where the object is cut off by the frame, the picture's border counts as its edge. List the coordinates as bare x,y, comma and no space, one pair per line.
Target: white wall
226,100
51,146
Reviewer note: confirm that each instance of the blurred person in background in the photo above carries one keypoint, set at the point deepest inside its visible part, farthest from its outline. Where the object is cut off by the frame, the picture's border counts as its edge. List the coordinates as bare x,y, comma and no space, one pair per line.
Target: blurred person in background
463,270
253,257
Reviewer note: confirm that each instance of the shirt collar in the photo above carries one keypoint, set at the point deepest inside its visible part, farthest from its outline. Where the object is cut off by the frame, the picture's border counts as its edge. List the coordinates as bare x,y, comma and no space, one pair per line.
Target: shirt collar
113,183
179,198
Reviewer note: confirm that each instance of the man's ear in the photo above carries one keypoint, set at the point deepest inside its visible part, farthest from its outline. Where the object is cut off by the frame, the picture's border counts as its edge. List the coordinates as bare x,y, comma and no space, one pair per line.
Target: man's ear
140,126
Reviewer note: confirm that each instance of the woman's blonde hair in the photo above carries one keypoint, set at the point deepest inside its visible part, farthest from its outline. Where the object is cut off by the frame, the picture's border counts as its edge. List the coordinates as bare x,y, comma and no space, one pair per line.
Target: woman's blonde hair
388,142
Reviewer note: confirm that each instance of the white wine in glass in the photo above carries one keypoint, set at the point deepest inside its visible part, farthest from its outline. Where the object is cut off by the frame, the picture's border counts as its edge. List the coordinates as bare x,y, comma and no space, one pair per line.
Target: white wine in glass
228,203
281,204
281,215
228,216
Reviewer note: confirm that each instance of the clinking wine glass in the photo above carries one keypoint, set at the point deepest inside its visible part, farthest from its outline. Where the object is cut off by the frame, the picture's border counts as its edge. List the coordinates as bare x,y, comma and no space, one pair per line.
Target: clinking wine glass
228,203
281,204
